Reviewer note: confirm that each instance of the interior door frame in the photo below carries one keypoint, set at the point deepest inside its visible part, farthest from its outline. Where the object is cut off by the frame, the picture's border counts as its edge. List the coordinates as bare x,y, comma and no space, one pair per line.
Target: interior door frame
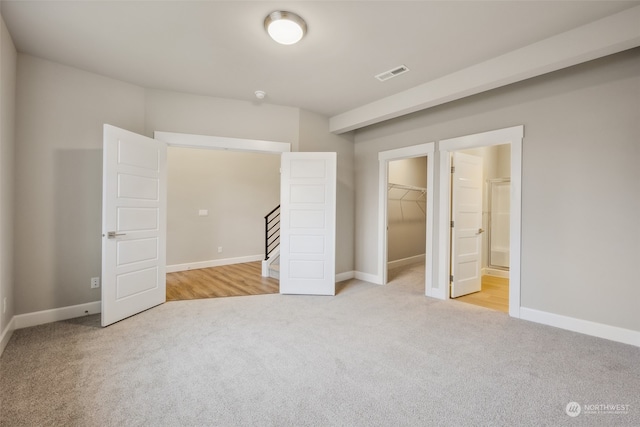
512,135
207,142
422,150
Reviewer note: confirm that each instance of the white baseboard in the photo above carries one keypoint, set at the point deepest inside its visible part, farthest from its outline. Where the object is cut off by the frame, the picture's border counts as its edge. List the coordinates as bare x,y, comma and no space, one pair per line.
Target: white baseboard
406,261
6,335
600,330
56,314
371,278
435,293
213,263
341,277
496,272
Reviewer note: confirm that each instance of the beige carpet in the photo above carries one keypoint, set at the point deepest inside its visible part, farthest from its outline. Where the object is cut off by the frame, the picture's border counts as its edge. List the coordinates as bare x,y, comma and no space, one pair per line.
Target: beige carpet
370,356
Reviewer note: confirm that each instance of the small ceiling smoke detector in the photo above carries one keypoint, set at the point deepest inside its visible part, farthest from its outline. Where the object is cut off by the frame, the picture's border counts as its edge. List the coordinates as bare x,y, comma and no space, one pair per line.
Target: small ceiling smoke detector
392,73
260,94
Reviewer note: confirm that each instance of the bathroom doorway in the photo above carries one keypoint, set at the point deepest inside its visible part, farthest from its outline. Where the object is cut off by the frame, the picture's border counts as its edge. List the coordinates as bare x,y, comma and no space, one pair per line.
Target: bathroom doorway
512,136
480,235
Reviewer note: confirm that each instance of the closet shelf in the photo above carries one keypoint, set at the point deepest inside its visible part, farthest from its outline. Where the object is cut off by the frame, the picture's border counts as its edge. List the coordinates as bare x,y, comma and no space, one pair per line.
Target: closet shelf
408,190
407,193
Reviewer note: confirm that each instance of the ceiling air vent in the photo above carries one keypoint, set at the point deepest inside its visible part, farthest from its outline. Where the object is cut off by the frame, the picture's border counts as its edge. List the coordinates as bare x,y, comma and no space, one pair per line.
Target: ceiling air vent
392,73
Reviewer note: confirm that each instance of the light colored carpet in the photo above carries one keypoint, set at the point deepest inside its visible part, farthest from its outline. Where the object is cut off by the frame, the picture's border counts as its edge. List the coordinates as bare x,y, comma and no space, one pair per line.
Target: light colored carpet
370,356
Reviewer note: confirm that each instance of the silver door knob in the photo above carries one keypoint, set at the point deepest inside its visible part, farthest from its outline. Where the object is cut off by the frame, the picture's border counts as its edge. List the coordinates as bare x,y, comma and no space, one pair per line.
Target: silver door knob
480,230
113,234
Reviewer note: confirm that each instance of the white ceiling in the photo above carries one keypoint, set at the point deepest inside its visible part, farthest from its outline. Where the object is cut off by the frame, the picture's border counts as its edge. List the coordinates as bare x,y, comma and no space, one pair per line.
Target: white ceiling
220,48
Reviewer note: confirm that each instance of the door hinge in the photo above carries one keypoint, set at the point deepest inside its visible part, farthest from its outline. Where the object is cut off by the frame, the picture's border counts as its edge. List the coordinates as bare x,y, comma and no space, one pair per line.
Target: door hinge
451,224
453,169
451,278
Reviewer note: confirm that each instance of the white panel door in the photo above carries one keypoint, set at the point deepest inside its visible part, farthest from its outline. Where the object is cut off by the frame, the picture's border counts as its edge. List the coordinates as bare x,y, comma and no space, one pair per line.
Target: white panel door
308,219
466,233
133,224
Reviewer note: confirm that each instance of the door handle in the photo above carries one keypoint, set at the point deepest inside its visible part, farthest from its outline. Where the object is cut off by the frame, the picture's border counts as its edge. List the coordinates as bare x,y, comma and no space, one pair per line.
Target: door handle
480,230
113,234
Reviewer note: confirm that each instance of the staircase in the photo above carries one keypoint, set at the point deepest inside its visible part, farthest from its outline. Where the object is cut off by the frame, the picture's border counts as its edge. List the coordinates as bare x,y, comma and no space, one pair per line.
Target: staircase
272,266
271,263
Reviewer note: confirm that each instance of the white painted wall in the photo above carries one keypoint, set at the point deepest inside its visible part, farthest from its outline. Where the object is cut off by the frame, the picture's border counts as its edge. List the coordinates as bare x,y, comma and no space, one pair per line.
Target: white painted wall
8,64
406,220
236,188
581,183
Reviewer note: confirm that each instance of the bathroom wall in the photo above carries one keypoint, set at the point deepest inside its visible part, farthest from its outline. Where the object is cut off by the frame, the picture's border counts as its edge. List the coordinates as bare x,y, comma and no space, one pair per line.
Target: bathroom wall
496,163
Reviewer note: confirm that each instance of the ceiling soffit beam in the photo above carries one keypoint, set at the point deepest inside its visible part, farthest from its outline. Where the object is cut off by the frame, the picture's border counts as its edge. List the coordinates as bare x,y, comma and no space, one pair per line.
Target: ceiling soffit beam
603,37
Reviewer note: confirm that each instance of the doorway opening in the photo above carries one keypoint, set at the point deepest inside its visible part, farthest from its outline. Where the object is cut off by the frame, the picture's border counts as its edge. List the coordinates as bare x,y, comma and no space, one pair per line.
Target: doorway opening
134,217
405,244
479,236
216,201
456,247
406,218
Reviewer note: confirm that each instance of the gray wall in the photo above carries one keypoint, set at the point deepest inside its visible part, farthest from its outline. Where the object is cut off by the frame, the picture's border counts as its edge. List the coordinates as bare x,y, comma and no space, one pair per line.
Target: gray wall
204,115
237,188
580,184
8,63
60,115
314,137
60,112
305,131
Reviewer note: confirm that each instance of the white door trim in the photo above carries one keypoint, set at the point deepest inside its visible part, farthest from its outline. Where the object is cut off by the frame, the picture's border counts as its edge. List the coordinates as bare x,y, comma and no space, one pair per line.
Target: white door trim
385,157
207,142
513,136
188,140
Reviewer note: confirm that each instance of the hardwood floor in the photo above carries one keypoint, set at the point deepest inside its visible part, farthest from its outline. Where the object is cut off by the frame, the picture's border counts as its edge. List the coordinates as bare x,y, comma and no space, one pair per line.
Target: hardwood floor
225,281
494,294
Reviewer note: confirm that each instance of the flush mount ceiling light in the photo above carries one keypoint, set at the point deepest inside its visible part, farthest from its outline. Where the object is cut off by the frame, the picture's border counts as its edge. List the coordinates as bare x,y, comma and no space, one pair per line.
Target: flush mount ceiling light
285,27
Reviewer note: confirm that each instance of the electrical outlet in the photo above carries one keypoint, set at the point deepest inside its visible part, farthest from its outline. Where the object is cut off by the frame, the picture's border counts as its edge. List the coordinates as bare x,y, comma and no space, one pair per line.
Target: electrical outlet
219,249
95,282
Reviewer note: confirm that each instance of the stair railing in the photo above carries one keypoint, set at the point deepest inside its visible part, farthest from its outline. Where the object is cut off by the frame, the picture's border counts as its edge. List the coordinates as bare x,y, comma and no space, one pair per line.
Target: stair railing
271,232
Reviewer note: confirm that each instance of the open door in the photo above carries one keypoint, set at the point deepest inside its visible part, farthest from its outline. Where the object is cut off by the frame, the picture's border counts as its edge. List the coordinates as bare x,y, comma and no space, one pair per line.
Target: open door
466,231
308,220
133,224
